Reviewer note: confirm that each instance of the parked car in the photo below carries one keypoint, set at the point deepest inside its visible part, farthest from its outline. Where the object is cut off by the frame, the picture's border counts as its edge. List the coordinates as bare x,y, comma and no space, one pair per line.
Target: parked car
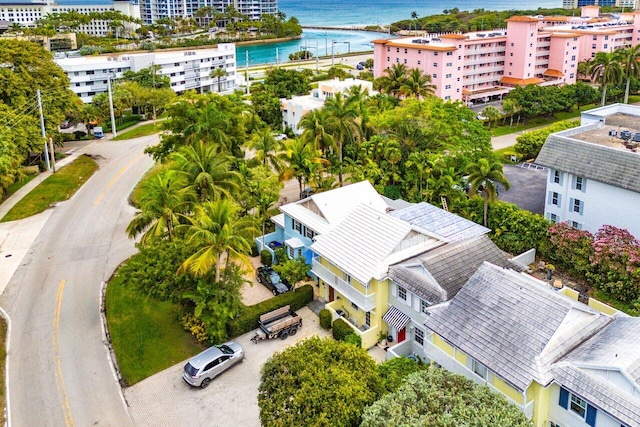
360,67
201,369
66,124
268,277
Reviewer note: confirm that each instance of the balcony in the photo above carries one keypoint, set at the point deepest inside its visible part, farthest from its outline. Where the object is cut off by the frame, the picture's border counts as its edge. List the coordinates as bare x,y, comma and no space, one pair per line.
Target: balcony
365,302
368,334
432,352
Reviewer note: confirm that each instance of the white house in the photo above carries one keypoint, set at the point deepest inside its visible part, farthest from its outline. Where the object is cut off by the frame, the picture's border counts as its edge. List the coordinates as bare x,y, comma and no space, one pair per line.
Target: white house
187,69
295,108
593,172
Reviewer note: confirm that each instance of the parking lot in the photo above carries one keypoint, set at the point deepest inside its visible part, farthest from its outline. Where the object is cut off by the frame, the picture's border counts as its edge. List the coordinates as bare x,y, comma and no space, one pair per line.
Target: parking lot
230,400
528,186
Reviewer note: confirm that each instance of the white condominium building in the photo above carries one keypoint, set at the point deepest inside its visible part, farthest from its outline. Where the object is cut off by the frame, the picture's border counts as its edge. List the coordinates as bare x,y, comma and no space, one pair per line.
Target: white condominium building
28,13
152,10
187,69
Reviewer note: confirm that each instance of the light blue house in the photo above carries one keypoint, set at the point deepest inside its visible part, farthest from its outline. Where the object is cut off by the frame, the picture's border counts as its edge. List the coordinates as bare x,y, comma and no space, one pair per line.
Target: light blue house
301,221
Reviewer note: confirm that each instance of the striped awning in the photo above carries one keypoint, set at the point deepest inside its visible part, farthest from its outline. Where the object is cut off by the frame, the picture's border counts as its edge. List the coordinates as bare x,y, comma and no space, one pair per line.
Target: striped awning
396,318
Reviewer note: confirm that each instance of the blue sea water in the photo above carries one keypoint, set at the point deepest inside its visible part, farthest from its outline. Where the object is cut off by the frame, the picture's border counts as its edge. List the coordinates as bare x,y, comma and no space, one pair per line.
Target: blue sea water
371,12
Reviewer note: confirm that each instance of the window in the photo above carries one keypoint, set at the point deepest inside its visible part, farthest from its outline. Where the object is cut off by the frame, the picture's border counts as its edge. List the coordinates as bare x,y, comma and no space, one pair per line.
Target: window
553,218
435,53
449,53
577,206
555,198
402,293
593,46
449,64
347,278
479,369
424,306
297,226
557,177
579,406
291,253
576,225
435,64
419,336
405,51
447,87
448,76
579,183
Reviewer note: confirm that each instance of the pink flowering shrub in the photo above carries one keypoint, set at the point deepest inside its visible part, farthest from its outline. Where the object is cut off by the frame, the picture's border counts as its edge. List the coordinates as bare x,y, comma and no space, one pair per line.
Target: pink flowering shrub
571,249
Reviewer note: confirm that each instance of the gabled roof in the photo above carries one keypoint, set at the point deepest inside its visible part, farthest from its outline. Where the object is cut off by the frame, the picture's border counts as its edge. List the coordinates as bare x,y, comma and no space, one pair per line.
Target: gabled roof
366,242
598,392
593,161
450,227
438,275
323,211
514,324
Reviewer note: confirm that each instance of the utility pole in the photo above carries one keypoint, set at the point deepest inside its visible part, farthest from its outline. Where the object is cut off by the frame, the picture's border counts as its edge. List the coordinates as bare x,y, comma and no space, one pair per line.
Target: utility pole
53,155
44,132
113,117
246,70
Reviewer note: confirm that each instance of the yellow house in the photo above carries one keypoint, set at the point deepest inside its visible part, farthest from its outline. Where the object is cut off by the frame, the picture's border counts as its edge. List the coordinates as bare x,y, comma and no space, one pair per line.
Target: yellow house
562,362
352,261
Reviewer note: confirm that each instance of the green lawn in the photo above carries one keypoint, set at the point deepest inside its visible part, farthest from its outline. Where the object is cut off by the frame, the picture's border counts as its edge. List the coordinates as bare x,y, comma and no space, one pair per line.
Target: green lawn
16,186
144,130
145,333
58,187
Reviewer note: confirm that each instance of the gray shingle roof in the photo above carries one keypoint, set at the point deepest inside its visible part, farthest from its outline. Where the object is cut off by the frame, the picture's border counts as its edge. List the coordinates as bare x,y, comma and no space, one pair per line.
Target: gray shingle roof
450,227
606,397
514,324
604,164
450,266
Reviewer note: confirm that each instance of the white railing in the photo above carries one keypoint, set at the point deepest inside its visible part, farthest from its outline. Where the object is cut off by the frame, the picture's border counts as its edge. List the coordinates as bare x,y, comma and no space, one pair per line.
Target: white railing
365,302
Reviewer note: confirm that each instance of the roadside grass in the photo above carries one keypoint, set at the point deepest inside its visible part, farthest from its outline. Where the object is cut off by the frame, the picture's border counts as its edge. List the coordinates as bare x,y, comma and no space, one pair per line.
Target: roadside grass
145,334
144,130
16,186
502,151
58,187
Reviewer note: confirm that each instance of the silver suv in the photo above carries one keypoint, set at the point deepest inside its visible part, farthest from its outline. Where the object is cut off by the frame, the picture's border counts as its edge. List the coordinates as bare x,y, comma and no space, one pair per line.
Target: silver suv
201,369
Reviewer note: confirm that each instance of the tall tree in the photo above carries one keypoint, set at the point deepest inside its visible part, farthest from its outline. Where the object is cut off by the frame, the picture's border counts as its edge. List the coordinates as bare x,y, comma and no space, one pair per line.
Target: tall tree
393,79
301,160
165,201
629,58
342,117
207,169
316,129
605,69
417,85
220,236
492,114
484,175
218,73
266,148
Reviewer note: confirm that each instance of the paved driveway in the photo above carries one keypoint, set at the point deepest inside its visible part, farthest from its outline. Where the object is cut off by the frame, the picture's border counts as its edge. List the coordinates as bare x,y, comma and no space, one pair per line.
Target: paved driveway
528,186
230,400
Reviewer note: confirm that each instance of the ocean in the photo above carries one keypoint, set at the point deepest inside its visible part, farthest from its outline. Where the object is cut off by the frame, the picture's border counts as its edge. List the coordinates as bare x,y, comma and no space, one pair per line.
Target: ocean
345,13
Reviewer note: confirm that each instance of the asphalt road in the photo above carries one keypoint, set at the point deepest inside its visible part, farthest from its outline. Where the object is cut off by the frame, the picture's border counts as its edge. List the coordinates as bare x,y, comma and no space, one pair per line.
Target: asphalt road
59,369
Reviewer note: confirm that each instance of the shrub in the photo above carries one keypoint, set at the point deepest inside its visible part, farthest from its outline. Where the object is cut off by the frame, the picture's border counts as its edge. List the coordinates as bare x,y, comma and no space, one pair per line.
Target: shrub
249,316
325,319
529,144
341,329
354,339
266,258
254,250
393,372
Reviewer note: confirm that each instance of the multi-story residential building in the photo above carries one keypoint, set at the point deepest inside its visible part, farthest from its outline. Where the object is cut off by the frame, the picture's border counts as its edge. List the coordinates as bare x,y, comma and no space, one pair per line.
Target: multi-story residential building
295,108
486,65
562,362
187,69
152,10
593,174
574,4
28,13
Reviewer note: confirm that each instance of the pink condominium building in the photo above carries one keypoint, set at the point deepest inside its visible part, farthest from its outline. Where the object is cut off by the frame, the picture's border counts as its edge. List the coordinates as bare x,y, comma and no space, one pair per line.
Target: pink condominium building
485,65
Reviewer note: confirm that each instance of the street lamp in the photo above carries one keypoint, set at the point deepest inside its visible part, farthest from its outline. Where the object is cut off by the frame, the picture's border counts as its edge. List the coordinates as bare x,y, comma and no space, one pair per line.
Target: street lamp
333,43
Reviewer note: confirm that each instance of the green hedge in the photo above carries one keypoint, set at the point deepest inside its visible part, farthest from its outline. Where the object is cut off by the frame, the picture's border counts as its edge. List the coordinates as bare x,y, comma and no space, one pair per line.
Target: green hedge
266,258
325,319
354,339
341,329
249,316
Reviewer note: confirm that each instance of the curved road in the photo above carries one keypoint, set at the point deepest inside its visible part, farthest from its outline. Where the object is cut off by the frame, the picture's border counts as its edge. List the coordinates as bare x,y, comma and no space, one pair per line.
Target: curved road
59,370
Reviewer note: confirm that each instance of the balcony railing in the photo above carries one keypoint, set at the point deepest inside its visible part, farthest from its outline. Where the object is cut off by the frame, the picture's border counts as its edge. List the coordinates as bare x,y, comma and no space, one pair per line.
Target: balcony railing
366,302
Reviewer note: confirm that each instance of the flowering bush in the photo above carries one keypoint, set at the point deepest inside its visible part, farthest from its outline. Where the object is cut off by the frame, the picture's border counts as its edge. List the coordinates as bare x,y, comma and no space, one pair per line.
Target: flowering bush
571,248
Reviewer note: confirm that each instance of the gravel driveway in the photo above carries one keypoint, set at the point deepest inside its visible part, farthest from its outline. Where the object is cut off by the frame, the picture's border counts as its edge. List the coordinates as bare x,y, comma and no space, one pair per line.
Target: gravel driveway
231,400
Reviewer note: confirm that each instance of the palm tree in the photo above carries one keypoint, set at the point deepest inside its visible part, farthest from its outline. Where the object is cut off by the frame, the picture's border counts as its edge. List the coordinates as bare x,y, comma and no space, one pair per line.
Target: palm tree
266,149
316,129
419,168
414,16
220,235
359,98
218,73
583,68
492,114
207,169
342,117
417,85
605,69
484,176
301,161
630,67
164,203
206,123
393,80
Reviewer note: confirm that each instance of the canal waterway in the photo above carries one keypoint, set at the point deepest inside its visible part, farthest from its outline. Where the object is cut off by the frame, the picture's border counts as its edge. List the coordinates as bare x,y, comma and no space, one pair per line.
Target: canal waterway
318,42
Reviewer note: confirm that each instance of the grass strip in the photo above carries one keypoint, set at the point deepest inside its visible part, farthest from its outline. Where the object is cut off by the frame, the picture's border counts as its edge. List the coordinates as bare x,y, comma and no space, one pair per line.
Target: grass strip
58,187
145,333
144,130
16,186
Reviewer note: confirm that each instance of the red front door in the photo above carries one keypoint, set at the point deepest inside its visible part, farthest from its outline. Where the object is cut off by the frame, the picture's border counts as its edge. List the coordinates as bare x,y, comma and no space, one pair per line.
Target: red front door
402,335
331,294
